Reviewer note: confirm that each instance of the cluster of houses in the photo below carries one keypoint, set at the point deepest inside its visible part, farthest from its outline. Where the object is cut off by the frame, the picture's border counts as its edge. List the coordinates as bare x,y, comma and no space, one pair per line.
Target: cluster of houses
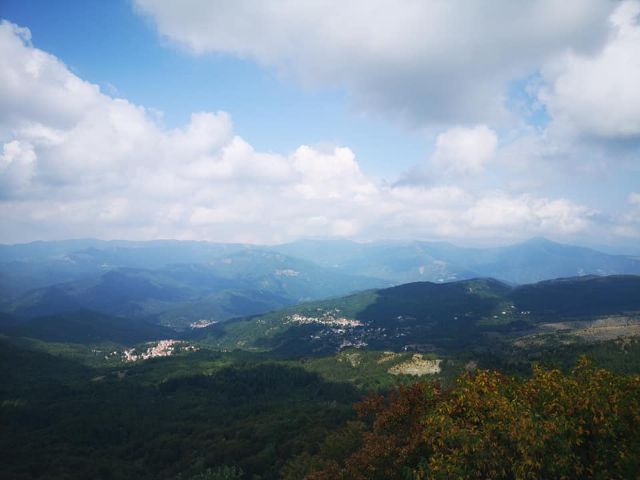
163,348
329,319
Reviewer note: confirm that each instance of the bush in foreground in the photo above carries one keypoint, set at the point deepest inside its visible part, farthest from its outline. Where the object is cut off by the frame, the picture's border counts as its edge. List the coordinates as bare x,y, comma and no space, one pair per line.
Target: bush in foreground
585,424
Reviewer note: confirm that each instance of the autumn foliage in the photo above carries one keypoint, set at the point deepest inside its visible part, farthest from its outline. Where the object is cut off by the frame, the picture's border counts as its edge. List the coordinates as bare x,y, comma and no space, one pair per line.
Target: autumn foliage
585,424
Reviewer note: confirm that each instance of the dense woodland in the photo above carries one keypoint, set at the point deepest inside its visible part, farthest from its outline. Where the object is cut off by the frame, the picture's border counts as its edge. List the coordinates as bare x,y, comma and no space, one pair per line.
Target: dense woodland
223,416
585,424
62,420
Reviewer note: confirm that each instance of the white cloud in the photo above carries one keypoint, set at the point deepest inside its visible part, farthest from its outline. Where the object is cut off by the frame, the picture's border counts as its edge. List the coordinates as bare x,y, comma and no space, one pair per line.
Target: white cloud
330,175
464,150
98,166
558,215
429,61
58,101
598,95
16,167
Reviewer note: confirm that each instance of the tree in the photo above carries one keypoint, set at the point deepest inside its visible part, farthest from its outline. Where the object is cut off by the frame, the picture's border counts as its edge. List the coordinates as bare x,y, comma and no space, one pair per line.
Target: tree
585,424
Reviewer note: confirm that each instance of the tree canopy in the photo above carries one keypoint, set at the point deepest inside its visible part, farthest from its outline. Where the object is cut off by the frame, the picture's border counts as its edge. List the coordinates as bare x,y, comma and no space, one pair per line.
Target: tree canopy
584,424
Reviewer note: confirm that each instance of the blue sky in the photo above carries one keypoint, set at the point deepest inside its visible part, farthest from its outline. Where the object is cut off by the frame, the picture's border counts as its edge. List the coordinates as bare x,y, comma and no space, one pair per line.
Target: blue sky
270,121
107,43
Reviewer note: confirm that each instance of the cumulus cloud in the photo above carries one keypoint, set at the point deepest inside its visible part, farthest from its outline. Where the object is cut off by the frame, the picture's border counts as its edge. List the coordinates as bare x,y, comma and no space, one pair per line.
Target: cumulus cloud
16,167
597,94
75,162
465,150
423,61
542,214
556,79
58,101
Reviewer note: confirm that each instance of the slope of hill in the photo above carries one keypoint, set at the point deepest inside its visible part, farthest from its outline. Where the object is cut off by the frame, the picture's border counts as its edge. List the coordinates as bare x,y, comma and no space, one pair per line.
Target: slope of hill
427,316
239,284
33,265
87,327
581,296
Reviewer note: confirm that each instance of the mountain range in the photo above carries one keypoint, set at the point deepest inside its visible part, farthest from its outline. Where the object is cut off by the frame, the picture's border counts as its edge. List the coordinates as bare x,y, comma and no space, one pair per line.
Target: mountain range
402,262
178,283
173,283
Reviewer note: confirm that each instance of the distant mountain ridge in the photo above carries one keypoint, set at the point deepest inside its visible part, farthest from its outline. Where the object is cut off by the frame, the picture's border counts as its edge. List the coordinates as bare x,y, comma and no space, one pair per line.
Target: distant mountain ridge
178,282
531,261
228,282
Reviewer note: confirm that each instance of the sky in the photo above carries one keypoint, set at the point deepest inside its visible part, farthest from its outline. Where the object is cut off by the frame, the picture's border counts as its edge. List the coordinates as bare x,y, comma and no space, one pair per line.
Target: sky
479,123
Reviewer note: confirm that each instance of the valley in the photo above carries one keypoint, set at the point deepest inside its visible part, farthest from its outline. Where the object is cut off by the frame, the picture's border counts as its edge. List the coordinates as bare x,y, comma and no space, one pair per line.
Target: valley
319,240
247,363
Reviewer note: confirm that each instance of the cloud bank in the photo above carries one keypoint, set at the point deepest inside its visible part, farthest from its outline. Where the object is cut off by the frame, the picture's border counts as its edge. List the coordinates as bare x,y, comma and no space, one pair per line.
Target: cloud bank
597,95
77,162
424,62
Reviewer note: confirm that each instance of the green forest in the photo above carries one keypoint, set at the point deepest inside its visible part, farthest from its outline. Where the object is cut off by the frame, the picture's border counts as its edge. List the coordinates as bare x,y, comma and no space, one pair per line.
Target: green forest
216,415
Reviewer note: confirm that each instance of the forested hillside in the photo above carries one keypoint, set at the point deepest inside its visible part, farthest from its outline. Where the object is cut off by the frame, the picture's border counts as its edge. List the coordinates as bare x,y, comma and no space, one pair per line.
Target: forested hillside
434,317
209,414
585,424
